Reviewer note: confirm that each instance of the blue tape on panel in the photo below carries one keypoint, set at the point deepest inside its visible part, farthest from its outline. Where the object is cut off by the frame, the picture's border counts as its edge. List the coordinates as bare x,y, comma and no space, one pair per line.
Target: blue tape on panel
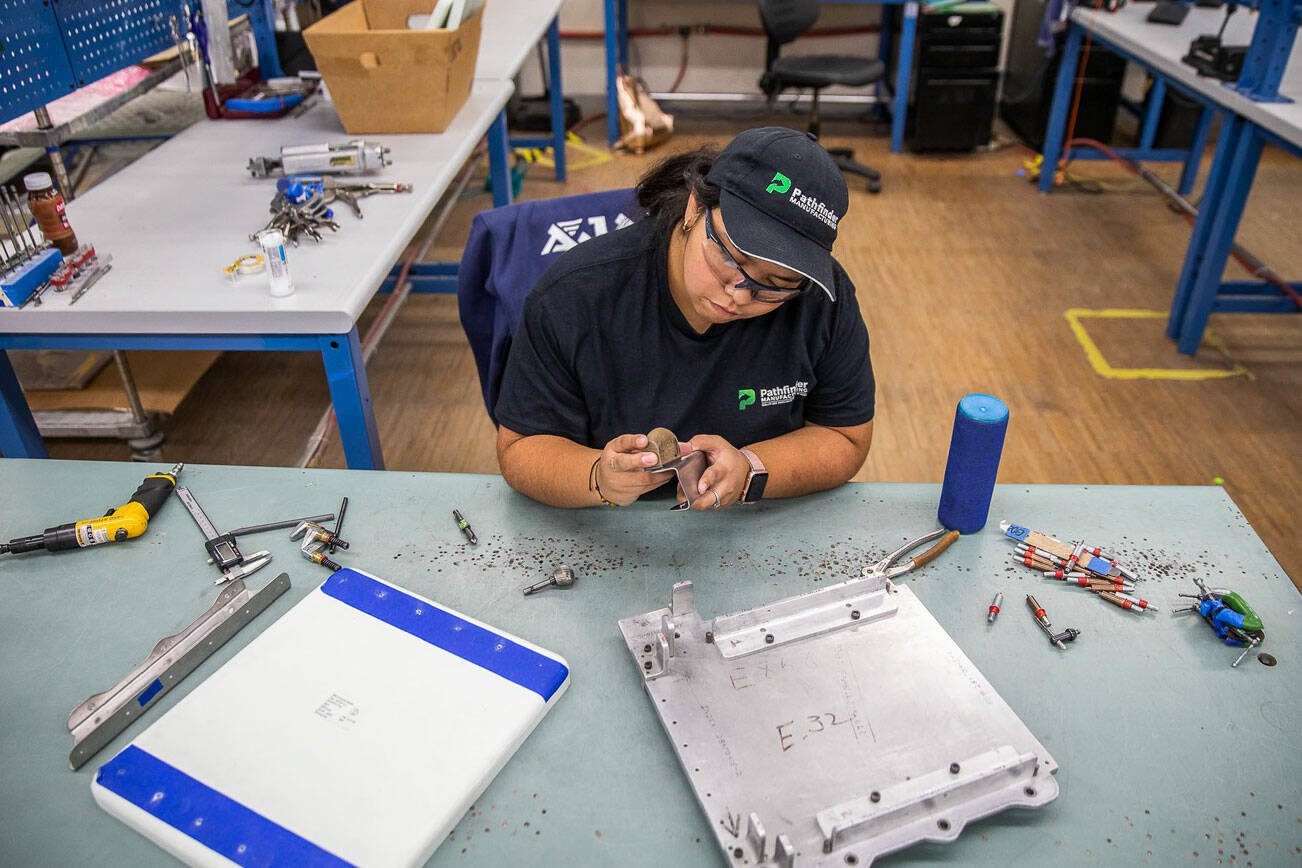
470,642
150,692
1099,566
214,820
1017,532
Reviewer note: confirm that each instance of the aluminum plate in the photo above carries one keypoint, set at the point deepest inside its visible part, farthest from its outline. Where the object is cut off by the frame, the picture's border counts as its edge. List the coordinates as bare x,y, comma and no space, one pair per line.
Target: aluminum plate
849,727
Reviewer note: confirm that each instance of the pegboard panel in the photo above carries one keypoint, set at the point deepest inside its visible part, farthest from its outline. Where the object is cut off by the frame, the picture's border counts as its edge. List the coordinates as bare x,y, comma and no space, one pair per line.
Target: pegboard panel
102,36
34,68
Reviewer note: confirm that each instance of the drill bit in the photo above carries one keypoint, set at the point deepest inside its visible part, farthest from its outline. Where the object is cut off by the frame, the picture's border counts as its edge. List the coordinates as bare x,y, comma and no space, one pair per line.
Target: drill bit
467,529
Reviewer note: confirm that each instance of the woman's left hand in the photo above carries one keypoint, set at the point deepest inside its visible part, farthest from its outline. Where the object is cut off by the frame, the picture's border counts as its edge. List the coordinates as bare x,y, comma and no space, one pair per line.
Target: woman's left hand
723,482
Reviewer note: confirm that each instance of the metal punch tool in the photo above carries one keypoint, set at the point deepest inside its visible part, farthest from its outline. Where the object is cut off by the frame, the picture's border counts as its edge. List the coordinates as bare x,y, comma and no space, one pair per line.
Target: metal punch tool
887,566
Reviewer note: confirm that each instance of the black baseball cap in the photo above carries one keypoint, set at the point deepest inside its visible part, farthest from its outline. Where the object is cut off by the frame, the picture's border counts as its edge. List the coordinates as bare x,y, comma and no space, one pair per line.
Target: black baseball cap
782,197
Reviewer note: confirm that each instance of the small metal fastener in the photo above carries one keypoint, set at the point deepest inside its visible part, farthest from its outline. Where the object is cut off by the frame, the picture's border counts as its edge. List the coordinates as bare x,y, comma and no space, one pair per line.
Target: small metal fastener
874,796
768,639
953,768
646,649
709,638
854,614
647,665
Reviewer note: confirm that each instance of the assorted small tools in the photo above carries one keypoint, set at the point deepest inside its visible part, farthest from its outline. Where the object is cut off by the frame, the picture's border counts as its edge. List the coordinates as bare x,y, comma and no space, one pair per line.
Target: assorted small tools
1076,564
118,524
25,263
319,543
301,206
222,550
1057,639
1230,617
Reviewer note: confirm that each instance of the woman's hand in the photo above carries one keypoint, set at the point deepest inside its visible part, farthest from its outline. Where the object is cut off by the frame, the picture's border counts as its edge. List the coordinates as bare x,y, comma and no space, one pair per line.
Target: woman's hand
621,474
724,481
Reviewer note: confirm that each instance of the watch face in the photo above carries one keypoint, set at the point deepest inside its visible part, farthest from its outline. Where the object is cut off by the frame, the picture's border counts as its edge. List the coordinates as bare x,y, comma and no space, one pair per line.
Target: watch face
755,488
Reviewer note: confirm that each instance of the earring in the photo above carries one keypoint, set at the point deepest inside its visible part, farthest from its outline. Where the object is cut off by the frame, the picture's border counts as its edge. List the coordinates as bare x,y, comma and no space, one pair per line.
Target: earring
687,225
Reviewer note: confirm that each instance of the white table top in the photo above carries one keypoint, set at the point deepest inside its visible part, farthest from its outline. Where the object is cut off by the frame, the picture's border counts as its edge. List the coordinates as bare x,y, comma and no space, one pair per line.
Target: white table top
510,30
175,219
1161,46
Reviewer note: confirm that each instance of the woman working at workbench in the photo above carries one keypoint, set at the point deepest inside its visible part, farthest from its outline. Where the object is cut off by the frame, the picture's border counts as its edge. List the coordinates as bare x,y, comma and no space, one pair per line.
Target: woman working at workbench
721,316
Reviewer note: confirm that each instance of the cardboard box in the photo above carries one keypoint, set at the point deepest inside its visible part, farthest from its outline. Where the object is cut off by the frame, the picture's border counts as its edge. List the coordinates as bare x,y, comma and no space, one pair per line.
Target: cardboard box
385,78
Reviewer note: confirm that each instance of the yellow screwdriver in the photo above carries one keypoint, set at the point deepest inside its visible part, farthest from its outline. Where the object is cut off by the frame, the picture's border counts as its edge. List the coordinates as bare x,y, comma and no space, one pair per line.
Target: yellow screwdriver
118,524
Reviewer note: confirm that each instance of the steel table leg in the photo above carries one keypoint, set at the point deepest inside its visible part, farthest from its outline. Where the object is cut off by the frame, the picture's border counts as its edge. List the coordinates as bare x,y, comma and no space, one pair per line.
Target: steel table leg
1243,168
557,97
19,436
903,74
1057,126
499,161
351,394
1231,125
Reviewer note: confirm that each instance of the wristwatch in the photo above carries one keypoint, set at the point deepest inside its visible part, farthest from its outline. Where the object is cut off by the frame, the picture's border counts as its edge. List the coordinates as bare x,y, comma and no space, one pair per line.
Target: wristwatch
755,480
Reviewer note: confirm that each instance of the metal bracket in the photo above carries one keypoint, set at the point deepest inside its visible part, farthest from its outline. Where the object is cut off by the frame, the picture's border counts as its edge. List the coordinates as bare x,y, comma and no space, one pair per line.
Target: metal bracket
799,725
688,470
858,601
98,720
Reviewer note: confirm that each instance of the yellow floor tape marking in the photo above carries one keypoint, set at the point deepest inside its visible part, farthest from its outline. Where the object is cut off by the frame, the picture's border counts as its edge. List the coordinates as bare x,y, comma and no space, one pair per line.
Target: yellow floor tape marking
588,156
1103,369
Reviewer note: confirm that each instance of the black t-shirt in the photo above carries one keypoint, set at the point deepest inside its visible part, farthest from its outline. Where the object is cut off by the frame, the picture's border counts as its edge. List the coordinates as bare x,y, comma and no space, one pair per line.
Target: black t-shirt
603,350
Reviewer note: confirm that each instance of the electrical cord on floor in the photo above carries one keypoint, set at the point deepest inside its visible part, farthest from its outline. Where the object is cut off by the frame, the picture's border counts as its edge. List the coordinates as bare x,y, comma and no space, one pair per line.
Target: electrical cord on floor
1241,255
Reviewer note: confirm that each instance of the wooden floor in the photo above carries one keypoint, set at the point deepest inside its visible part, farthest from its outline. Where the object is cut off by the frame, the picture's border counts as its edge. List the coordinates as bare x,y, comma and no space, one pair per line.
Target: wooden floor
964,274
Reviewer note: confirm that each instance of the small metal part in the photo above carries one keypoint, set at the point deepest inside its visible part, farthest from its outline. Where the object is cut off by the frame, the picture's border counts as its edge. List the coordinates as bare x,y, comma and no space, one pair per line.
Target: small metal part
562,577
312,533
281,525
91,279
98,720
352,157
994,608
688,468
339,525
465,527
1058,639
315,551
1252,643
1266,659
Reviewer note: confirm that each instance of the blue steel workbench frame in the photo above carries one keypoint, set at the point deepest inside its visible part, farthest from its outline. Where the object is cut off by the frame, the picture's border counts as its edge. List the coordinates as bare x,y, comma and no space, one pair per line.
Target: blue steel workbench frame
1201,291
341,354
617,56
557,105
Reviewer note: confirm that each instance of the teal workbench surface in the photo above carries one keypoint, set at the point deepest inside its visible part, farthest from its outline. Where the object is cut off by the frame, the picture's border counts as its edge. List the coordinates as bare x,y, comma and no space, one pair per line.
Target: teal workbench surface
1166,754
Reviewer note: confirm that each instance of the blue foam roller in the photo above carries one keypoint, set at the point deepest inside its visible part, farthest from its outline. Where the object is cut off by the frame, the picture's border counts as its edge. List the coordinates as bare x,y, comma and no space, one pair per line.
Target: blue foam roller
974,450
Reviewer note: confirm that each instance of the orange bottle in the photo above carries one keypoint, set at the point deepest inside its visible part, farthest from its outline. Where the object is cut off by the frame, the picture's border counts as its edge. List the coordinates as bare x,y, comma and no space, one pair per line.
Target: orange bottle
46,204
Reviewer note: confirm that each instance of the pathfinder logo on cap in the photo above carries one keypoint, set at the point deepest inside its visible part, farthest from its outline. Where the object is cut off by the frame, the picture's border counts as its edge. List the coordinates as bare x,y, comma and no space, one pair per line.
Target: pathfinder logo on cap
814,207
780,183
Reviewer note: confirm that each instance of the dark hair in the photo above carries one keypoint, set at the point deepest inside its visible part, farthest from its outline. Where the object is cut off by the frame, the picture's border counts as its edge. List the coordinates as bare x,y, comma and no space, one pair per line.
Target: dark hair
664,189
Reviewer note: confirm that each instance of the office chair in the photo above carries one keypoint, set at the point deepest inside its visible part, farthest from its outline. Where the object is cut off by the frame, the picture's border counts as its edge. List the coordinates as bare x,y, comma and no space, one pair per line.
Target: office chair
783,21
507,251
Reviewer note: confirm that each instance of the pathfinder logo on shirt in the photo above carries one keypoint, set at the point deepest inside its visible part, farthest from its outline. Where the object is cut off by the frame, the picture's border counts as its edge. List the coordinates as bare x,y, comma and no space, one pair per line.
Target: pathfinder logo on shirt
565,235
773,397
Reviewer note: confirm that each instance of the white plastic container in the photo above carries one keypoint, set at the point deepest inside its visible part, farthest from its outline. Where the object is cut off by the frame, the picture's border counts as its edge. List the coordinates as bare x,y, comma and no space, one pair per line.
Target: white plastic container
272,242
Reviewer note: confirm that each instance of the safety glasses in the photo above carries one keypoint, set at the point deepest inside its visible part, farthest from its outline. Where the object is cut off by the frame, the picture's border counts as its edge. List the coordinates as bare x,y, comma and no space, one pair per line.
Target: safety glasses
723,264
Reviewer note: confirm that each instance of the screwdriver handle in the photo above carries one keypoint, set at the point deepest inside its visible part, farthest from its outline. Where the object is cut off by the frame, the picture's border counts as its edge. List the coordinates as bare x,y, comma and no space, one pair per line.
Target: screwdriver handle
155,490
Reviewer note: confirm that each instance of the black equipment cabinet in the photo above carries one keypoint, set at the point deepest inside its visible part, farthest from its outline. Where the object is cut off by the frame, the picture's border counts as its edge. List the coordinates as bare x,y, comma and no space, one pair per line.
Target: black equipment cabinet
957,79
1029,78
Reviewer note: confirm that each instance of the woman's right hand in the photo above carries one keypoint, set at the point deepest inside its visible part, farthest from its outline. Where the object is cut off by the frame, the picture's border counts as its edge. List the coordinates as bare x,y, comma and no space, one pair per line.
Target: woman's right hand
621,474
